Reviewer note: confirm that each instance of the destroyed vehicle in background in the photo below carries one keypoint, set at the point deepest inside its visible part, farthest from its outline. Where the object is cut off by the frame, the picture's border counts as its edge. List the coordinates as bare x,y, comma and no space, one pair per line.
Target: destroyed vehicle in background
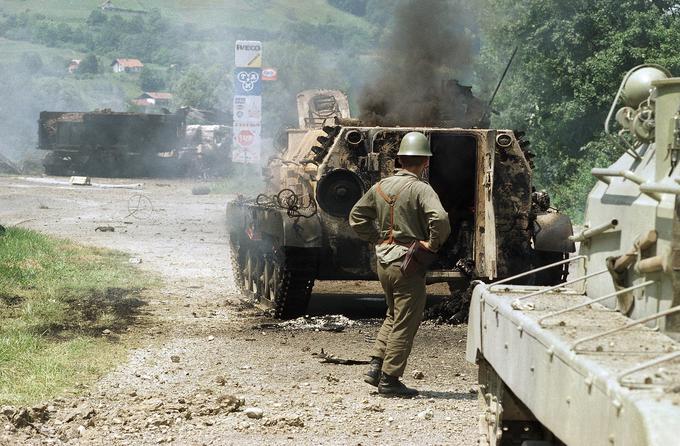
596,360
297,231
211,147
114,144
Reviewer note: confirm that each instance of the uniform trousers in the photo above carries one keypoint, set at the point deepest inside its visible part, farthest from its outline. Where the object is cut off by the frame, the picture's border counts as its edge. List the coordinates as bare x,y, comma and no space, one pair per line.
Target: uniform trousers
405,298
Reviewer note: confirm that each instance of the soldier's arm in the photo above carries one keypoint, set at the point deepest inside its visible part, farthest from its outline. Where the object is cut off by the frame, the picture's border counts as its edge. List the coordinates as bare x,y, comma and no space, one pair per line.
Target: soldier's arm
437,217
362,218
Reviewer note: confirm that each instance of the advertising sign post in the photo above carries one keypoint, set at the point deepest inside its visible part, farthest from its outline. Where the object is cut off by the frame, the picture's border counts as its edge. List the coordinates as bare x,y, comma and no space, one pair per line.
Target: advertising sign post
247,104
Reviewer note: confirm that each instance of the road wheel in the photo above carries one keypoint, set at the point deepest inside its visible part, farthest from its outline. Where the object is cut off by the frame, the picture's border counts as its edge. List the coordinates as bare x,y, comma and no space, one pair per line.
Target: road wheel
270,279
253,271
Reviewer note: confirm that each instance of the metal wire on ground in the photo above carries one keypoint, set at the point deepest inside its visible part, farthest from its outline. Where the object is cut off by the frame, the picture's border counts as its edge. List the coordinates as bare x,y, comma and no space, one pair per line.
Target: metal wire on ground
139,206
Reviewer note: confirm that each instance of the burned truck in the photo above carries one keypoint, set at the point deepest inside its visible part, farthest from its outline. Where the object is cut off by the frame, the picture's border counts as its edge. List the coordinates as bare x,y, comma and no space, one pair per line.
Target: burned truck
297,231
114,144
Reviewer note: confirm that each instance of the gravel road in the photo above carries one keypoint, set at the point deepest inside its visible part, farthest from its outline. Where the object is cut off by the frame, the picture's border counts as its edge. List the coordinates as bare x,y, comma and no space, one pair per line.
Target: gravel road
205,371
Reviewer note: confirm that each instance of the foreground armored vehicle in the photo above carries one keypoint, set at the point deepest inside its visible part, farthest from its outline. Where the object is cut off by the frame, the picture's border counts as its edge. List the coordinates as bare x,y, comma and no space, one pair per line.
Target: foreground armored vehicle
297,231
596,360
112,144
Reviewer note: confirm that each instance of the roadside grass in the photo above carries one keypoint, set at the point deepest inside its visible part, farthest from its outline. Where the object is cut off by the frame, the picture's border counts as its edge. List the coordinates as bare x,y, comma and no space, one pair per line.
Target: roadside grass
56,298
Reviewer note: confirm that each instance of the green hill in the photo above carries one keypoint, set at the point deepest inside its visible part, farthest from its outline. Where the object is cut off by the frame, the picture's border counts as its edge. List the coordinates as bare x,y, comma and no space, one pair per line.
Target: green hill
186,47
270,15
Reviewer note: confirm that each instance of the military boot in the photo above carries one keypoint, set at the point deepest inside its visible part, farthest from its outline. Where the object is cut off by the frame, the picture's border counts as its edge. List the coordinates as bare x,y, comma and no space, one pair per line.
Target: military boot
372,375
392,386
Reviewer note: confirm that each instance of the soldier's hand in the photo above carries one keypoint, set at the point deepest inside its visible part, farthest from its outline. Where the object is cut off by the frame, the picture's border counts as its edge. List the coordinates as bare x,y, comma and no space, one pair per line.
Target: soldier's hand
426,245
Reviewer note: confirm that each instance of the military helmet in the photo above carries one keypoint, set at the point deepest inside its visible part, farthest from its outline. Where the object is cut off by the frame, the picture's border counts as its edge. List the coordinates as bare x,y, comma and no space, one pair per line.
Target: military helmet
414,144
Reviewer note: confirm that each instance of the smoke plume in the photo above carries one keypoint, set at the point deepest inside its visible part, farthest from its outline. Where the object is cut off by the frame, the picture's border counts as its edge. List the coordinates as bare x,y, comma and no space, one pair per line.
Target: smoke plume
427,45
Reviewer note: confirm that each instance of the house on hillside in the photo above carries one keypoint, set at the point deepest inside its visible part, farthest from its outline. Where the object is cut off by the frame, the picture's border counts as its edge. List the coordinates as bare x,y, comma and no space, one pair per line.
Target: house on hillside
127,66
73,65
154,98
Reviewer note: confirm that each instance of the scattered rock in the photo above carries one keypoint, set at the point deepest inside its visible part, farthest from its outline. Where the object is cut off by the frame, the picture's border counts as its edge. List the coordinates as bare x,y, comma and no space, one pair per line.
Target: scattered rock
254,412
40,413
474,390
426,415
220,380
211,338
174,358
104,229
134,260
106,332
418,374
374,408
294,421
8,412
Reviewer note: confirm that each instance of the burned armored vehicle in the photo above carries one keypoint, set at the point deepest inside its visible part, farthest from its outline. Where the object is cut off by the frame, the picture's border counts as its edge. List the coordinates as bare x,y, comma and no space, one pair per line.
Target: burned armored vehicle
110,144
297,231
114,144
595,360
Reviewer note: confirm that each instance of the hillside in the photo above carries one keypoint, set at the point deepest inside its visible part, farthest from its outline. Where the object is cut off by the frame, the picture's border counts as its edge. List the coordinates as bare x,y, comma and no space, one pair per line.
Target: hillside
269,15
186,48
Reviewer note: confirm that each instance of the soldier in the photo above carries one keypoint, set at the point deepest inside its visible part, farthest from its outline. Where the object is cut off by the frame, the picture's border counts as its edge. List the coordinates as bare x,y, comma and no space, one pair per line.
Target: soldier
393,214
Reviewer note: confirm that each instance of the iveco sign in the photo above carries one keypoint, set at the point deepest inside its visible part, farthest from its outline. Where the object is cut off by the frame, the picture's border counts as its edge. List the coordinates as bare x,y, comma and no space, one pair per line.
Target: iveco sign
248,54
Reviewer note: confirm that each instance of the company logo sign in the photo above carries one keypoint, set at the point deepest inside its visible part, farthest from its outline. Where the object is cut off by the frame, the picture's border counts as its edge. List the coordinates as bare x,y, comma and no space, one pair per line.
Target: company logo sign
248,82
269,74
248,53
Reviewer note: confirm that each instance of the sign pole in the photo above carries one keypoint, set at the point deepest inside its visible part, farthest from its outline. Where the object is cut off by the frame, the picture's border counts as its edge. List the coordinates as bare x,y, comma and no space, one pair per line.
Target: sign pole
247,104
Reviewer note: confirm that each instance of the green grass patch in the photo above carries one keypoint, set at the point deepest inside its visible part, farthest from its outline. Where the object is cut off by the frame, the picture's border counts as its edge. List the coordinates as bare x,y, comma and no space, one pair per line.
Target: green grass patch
13,50
56,297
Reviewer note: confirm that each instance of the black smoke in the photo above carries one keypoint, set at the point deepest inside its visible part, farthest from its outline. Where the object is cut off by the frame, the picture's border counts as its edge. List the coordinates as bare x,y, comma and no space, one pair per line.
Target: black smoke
428,44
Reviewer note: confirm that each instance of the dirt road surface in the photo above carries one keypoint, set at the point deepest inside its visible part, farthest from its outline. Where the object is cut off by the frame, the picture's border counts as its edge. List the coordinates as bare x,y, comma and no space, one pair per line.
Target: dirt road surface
204,362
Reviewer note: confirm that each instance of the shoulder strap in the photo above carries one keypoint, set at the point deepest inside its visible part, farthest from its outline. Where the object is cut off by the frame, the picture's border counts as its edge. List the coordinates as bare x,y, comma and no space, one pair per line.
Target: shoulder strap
391,201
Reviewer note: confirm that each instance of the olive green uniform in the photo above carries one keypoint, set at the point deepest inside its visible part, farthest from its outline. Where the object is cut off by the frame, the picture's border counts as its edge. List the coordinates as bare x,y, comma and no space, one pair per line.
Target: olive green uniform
418,215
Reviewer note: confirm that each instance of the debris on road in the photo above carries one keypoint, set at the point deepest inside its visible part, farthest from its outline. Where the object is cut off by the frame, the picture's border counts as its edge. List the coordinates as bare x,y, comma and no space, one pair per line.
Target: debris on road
452,310
104,229
8,167
254,412
331,359
139,206
52,181
80,181
200,190
333,322
418,374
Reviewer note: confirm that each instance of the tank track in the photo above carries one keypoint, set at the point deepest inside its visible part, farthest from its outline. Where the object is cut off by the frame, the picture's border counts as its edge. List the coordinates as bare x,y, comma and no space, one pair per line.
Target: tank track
293,295
294,289
235,264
